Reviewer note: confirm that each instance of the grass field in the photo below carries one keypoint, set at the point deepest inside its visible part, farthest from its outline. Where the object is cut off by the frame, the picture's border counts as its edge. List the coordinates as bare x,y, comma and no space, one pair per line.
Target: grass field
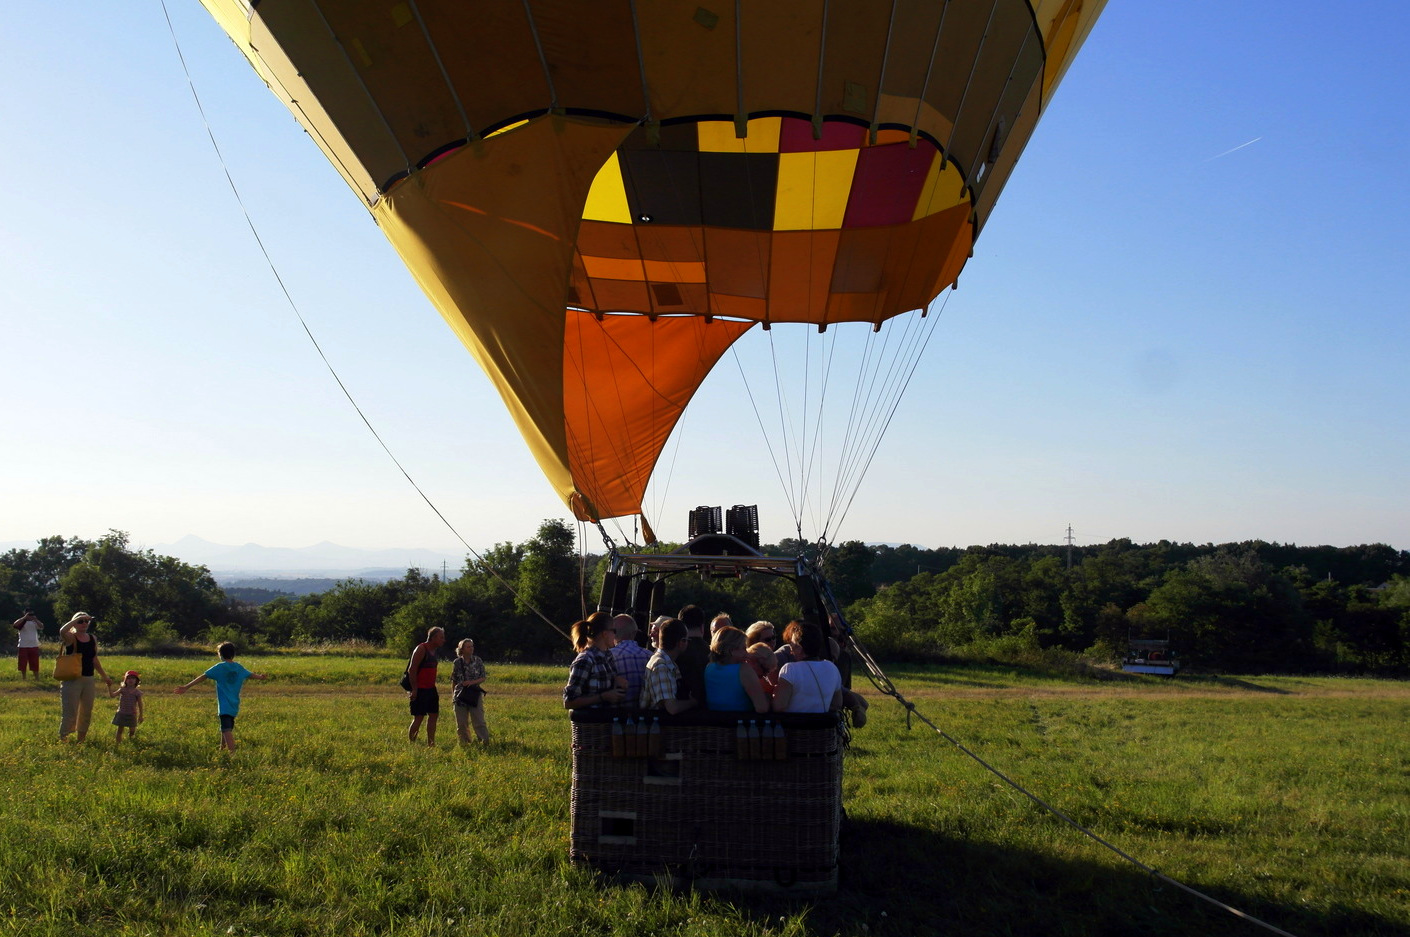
1286,797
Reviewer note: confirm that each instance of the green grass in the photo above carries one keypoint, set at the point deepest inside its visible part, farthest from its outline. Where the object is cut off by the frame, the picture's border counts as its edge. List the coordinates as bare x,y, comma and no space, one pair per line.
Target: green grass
1286,797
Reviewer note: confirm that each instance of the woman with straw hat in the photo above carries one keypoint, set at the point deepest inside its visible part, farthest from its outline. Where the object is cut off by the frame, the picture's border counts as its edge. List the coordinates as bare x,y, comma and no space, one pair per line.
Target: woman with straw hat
77,695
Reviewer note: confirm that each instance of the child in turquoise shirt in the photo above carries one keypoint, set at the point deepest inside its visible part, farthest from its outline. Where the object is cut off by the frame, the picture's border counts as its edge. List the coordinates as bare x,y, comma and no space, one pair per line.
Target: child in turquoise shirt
229,678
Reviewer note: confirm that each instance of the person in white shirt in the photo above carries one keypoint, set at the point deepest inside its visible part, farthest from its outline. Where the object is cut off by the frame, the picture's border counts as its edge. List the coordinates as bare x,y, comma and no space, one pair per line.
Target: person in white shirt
807,683
29,627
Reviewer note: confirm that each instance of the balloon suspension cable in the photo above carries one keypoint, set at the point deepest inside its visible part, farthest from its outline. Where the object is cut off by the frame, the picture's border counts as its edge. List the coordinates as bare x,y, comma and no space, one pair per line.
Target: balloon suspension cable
480,561
607,540
884,686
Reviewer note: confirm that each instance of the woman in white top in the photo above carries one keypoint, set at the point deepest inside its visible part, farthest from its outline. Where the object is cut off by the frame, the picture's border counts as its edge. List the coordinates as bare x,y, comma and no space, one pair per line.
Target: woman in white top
807,683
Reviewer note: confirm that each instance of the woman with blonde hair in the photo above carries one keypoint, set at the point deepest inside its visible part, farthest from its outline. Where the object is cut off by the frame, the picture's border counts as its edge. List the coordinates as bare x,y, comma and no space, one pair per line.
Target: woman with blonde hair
729,685
467,676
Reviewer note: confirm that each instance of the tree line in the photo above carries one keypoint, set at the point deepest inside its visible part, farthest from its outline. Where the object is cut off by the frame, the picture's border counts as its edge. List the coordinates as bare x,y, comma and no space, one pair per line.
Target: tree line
1239,607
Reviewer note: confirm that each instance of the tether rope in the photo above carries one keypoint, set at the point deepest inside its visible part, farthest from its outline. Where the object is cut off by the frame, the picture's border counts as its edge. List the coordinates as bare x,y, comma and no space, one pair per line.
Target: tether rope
309,332
884,686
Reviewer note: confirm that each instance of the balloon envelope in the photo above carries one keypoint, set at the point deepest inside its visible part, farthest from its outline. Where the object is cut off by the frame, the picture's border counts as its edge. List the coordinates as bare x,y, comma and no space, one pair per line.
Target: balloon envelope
601,197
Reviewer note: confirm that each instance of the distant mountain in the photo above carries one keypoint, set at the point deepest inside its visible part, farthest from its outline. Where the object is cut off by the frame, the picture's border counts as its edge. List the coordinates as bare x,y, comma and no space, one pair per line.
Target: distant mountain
322,560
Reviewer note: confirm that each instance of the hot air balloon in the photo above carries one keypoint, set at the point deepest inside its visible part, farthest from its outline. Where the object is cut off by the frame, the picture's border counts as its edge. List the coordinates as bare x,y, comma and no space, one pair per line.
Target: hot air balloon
600,198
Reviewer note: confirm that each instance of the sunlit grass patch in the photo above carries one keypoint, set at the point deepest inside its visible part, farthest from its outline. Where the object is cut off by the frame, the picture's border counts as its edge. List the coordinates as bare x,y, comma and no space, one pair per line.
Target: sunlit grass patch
1287,797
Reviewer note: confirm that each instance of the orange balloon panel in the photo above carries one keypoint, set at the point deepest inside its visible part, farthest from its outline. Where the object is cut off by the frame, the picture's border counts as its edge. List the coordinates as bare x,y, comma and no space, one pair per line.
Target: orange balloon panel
626,381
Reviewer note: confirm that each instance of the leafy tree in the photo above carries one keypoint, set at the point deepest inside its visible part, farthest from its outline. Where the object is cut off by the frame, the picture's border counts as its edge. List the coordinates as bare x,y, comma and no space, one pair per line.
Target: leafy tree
848,571
548,575
1231,611
29,578
127,589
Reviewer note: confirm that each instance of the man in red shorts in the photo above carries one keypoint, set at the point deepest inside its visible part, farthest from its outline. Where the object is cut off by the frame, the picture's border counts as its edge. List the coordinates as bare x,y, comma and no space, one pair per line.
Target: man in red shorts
28,626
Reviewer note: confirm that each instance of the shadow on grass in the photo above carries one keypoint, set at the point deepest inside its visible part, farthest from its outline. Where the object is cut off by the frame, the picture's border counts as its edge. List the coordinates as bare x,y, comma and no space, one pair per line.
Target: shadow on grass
1234,683
897,879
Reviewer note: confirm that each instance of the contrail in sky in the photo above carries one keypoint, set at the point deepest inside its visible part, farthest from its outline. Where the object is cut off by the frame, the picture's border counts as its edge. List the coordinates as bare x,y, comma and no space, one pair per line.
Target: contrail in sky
1239,147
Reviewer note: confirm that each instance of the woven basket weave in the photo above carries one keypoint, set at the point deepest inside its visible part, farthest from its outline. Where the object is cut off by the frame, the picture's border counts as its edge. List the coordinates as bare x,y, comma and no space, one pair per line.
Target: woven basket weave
700,815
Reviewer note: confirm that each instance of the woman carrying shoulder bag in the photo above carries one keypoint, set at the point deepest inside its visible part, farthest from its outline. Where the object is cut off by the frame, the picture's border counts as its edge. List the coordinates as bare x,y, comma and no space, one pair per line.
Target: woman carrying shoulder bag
807,683
77,695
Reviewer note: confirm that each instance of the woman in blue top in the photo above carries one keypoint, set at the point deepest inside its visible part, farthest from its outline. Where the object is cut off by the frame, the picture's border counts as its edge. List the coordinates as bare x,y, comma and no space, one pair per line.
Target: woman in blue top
730,687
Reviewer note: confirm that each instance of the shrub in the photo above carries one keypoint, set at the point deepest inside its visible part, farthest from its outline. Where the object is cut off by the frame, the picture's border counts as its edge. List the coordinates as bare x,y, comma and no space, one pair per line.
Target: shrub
160,635
218,633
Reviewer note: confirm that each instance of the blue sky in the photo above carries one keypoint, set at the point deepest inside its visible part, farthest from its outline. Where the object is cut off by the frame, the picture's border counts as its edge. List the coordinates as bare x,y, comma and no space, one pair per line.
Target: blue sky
1164,333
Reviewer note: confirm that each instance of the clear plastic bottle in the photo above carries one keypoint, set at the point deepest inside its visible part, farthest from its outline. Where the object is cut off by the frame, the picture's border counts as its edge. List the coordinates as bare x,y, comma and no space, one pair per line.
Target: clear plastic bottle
755,750
653,741
780,743
741,740
619,742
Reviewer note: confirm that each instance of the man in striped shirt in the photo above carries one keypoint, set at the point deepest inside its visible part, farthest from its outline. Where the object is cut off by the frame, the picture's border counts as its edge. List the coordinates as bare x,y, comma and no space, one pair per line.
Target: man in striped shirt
658,690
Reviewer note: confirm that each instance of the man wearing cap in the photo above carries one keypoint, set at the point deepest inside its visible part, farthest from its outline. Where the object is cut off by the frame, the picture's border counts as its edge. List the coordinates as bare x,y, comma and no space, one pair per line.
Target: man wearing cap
653,630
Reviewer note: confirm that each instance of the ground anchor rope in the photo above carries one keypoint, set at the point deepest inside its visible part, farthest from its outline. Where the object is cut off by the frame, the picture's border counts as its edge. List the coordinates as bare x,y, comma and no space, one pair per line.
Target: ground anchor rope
884,686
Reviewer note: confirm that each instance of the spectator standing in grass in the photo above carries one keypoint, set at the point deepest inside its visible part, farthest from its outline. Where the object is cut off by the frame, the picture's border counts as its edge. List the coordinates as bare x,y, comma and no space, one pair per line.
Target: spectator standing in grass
76,696
467,676
27,643
229,677
630,658
425,698
129,709
658,689
592,677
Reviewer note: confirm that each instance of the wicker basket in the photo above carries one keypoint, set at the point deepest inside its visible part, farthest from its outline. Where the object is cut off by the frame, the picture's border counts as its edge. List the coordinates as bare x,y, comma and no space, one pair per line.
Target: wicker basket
699,815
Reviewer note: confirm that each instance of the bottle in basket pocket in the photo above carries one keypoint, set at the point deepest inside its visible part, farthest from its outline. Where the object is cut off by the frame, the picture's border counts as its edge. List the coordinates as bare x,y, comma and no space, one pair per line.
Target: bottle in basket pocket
653,744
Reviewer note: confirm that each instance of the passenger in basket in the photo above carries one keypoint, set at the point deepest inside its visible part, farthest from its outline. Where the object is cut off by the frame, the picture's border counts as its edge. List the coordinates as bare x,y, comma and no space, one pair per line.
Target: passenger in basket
721,620
730,686
807,683
592,677
764,663
696,655
653,631
785,651
762,632
629,657
658,689
855,703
